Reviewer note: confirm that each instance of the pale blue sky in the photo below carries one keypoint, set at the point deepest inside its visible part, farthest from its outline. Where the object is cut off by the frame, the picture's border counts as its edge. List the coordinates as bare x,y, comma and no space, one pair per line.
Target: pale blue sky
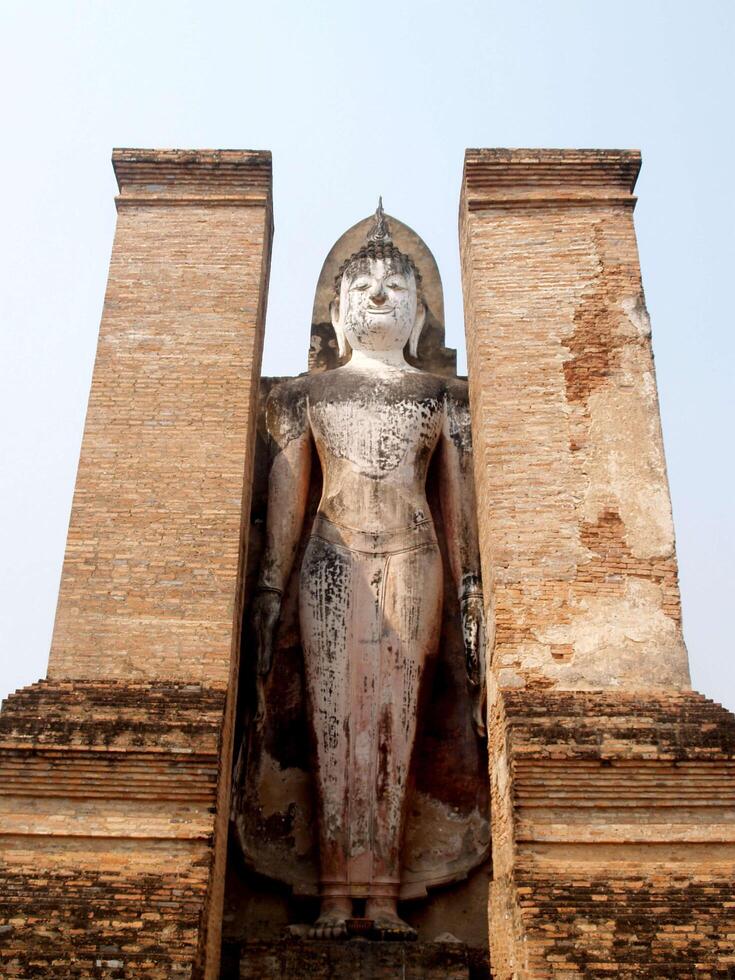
354,100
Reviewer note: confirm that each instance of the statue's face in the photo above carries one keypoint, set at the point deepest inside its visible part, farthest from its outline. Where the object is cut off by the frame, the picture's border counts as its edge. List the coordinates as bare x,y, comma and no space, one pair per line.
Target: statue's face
381,305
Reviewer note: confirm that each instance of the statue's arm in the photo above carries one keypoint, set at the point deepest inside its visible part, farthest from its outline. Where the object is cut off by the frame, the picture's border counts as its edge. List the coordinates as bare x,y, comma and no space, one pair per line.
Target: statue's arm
288,482
459,511
288,490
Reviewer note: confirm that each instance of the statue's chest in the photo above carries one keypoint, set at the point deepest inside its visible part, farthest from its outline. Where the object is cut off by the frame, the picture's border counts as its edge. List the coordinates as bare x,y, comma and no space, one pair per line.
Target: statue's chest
376,434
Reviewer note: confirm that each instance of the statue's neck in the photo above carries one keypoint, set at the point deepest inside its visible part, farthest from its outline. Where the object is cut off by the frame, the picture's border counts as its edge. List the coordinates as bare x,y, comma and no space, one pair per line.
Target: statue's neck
368,360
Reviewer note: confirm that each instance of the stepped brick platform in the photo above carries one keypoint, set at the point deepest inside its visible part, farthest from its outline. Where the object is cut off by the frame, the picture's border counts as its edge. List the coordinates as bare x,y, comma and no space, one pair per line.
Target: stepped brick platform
83,923
108,800
356,960
614,835
626,924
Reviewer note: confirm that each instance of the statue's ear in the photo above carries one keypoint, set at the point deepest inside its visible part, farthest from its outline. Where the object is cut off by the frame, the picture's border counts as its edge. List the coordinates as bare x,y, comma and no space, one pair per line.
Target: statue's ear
413,340
334,311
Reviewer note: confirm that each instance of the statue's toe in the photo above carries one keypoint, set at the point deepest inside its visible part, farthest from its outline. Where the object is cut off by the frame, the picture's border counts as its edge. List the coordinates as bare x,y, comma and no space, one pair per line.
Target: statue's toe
328,927
390,928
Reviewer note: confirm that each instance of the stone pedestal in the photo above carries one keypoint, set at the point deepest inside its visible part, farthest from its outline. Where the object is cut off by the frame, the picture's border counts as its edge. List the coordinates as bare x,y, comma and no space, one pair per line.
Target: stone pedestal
356,959
115,772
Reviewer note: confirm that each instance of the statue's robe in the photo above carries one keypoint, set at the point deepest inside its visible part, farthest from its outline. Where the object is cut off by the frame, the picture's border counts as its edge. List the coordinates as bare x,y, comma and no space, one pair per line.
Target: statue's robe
274,806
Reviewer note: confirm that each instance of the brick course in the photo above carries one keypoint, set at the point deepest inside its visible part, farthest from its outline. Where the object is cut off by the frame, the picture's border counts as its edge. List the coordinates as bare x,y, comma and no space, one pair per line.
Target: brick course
366,960
108,794
613,835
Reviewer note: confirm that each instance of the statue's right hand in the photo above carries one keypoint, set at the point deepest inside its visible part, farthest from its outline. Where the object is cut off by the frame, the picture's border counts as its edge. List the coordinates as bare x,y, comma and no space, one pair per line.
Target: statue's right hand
265,613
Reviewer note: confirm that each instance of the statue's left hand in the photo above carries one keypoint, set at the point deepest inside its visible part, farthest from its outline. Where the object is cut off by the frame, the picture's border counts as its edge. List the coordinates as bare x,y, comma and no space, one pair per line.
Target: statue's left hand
473,632
265,613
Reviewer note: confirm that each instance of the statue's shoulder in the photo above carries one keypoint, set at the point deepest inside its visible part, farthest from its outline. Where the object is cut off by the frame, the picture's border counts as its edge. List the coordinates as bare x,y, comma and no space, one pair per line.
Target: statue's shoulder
454,391
288,392
318,385
457,391
285,409
432,384
457,402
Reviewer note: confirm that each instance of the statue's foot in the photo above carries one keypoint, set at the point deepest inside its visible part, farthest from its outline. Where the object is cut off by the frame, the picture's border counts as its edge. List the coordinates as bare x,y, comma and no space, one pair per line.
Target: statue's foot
330,925
332,921
389,926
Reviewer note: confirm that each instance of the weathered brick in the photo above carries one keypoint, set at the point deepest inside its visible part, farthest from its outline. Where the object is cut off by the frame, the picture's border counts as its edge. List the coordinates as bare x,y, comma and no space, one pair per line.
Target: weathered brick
613,808
573,505
613,833
114,773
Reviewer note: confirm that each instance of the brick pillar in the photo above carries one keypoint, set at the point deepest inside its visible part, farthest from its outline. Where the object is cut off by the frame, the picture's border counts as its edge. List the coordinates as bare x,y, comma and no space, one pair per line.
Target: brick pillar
574,509
613,812
150,583
115,771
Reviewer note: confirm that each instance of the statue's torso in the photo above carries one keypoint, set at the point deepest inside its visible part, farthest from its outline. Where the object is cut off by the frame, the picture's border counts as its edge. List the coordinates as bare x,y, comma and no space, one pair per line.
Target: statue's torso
375,435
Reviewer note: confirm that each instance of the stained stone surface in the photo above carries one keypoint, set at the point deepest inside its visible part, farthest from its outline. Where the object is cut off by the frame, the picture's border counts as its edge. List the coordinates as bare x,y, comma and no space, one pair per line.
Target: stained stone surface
432,355
358,960
385,424
274,802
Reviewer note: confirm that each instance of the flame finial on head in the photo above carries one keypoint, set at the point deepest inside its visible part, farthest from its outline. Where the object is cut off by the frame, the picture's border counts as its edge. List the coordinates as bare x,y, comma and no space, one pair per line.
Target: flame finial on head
380,232
378,245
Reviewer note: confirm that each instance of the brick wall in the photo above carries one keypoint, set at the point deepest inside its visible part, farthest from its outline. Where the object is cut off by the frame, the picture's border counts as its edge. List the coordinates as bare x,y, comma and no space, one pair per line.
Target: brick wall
613,835
576,529
612,803
107,798
115,772
150,579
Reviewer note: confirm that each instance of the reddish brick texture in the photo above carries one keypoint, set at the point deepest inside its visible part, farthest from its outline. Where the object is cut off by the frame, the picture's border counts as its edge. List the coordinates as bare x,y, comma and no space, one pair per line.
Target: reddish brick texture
614,835
151,578
573,502
108,794
613,808
116,770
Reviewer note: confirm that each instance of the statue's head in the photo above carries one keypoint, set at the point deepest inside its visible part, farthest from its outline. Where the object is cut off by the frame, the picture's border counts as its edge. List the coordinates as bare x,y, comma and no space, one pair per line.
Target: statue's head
378,305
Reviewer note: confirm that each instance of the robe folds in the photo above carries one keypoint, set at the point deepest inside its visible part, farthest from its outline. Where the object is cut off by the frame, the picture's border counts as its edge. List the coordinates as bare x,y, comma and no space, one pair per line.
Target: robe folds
274,811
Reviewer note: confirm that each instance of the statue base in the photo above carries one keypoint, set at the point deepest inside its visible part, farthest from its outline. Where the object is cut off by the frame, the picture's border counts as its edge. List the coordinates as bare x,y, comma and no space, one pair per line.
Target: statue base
358,959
